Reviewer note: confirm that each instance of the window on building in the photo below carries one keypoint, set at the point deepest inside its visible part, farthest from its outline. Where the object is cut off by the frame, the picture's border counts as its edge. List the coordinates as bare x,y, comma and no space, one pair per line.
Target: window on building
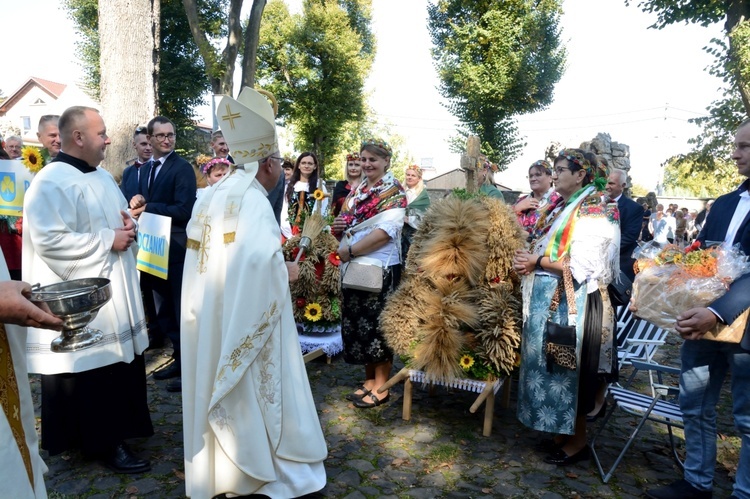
26,124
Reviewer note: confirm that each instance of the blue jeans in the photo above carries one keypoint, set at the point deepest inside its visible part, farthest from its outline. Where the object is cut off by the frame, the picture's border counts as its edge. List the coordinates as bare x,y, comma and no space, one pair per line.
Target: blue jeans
704,367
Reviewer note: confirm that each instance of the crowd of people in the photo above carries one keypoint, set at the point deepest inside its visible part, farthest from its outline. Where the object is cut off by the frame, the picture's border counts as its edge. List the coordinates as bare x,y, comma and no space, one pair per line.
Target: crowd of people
251,426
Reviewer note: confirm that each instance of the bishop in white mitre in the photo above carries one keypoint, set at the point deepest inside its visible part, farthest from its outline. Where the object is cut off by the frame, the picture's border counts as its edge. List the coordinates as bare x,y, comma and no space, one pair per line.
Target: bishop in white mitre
250,422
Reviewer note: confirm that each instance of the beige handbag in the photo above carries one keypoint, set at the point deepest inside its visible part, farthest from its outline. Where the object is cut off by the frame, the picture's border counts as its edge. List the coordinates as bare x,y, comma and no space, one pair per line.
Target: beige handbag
731,333
363,274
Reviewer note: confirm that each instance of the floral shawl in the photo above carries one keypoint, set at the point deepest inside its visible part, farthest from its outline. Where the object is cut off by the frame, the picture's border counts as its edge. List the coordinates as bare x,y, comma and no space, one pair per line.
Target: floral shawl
528,218
364,203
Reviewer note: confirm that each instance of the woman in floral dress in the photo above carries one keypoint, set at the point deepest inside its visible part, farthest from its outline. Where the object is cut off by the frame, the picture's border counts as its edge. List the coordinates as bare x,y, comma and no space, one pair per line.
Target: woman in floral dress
379,202
581,230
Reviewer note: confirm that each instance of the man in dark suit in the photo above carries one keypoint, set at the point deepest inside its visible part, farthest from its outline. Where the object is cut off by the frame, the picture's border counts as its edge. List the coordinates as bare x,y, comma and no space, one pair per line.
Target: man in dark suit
631,219
167,187
705,363
131,175
129,185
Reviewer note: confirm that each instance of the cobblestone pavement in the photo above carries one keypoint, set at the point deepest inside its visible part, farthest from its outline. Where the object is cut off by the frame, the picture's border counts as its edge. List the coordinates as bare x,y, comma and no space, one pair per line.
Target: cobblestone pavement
440,452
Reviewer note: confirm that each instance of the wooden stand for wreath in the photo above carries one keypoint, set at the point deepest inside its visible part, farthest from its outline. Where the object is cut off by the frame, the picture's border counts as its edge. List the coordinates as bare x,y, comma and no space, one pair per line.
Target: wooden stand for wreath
486,390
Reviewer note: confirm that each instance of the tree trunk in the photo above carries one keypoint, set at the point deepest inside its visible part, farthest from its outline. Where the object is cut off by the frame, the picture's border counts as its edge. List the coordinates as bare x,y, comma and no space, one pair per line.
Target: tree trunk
219,67
128,90
317,149
252,36
469,162
738,32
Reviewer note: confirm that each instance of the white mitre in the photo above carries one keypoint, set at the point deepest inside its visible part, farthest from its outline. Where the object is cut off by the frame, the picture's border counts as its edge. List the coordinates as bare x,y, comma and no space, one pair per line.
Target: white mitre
248,126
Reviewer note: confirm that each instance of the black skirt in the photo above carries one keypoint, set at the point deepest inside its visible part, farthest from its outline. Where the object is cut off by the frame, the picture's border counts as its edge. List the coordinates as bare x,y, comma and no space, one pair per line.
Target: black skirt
95,410
364,342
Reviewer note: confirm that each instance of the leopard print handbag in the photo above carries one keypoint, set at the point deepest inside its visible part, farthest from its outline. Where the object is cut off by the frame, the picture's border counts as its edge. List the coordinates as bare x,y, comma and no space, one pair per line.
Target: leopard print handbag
560,341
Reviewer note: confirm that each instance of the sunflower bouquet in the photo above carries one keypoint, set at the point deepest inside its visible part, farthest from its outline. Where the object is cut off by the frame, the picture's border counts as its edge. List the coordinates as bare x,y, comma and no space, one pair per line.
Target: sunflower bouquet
316,295
34,158
671,280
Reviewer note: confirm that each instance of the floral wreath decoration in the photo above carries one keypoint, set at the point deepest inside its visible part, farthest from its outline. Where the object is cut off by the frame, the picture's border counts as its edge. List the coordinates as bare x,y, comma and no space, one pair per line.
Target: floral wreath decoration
543,164
352,157
484,163
597,173
377,143
215,162
416,170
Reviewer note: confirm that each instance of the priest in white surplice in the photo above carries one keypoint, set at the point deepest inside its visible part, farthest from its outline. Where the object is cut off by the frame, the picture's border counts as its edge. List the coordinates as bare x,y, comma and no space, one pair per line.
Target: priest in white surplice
75,226
250,422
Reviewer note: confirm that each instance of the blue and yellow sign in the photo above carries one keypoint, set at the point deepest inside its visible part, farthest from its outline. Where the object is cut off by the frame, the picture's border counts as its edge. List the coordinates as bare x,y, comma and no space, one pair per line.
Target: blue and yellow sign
153,244
14,181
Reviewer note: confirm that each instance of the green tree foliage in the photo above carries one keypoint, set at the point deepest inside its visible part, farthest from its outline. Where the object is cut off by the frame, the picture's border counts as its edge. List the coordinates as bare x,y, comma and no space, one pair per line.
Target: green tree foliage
315,64
736,17
496,60
708,162
696,175
182,80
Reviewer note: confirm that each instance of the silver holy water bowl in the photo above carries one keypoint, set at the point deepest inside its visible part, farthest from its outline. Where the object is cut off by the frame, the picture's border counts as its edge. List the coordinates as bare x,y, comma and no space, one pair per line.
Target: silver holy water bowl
76,302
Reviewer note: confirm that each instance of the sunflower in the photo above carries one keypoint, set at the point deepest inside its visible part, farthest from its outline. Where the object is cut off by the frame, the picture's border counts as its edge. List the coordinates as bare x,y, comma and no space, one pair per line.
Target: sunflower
32,158
466,362
318,195
313,312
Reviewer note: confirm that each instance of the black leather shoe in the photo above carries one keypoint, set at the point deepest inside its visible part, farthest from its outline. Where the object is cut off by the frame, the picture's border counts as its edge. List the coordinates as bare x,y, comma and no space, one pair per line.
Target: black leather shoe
548,446
358,396
175,385
363,403
173,370
156,342
560,458
602,412
681,489
122,460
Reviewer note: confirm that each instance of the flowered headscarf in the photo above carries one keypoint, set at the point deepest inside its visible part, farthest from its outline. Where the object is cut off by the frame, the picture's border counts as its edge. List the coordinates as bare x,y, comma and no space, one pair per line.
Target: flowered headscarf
362,204
595,173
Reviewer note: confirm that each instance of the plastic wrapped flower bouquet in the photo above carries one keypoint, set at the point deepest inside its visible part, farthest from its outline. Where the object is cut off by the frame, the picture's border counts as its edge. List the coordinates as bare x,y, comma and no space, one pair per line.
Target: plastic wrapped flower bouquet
671,280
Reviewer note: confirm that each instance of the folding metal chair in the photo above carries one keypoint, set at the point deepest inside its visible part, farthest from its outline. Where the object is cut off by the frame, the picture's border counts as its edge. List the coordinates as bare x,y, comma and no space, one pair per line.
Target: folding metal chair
637,339
660,408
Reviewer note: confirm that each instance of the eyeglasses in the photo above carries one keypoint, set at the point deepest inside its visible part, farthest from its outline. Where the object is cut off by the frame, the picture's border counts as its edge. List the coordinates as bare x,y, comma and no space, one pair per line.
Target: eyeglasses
277,158
162,136
559,169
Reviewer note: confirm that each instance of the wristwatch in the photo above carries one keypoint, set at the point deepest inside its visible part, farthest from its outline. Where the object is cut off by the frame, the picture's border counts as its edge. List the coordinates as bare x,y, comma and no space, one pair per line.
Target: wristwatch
538,265
351,255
